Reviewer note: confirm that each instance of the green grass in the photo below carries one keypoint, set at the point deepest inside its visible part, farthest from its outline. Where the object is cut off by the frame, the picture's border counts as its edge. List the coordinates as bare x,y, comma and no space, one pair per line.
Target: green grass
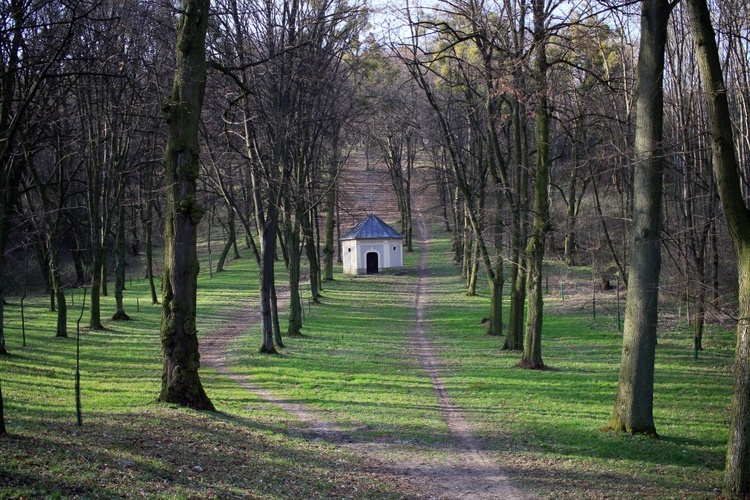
354,365
353,362
129,446
550,420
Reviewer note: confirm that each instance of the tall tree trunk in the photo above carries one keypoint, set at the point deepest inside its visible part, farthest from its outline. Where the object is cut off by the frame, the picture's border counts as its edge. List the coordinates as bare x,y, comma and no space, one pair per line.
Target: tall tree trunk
312,255
737,216
62,309
179,336
266,278
633,409
515,337
295,306
329,233
120,314
532,348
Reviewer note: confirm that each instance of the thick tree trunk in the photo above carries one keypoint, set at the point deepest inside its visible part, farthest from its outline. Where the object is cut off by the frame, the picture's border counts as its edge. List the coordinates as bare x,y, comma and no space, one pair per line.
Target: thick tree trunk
179,337
633,409
737,469
268,246
737,215
532,349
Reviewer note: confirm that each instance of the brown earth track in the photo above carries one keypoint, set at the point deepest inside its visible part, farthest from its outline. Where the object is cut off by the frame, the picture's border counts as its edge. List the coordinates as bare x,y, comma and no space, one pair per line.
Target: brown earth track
464,470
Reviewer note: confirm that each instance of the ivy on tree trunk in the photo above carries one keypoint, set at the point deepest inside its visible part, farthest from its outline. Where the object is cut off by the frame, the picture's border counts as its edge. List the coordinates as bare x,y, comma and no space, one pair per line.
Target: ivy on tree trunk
180,381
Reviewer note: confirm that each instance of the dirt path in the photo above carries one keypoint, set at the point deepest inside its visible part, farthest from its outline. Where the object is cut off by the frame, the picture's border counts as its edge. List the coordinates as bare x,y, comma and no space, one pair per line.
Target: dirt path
471,473
462,471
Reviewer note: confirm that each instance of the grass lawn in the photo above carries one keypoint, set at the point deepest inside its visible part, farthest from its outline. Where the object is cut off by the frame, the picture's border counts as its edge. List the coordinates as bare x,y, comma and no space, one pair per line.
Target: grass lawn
353,364
545,426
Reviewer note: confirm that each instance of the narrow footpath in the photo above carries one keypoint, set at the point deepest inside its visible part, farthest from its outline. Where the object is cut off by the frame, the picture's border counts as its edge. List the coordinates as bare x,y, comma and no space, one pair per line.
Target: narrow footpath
462,471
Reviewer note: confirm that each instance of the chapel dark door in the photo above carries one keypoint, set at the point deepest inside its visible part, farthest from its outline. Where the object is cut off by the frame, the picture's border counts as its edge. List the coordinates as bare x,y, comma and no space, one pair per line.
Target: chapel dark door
372,263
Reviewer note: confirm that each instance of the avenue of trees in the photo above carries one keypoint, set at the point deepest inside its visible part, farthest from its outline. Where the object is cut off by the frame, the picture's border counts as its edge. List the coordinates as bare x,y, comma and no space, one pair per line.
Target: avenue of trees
613,135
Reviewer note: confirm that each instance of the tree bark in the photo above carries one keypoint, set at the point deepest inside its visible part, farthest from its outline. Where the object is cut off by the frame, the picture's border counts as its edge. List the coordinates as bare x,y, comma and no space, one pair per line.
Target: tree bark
120,314
180,381
62,308
266,278
532,349
633,409
295,308
515,338
330,203
311,250
737,216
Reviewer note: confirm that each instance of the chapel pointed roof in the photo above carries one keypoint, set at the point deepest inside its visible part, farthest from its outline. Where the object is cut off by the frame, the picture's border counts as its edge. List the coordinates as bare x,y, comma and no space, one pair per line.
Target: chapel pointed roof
370,228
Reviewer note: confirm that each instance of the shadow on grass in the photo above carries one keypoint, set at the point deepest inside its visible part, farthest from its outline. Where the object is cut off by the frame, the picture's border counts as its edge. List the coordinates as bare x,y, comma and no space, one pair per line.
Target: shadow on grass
164,451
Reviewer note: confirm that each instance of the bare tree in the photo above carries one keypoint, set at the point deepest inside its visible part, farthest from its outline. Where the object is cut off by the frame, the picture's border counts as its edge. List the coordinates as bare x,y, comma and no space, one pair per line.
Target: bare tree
179,336
737,216
633,409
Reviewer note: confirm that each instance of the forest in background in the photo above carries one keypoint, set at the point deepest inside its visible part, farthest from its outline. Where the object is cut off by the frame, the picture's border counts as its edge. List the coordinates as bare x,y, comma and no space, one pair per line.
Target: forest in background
525,113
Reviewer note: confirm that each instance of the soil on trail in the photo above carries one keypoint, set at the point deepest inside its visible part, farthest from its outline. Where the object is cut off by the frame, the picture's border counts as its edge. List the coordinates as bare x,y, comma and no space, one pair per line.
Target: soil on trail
463,470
